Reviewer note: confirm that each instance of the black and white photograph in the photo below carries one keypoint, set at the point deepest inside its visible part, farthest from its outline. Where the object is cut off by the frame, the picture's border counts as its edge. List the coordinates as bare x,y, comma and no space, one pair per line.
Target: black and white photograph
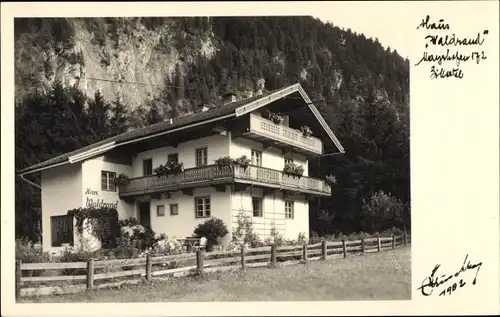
226,158
150,150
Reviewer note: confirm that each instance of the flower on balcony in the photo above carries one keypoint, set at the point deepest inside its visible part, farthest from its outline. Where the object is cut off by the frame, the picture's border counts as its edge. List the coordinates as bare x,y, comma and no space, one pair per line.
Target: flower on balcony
306,131
122,179
331,180
169,168
243,162
225,161
275,117
293,170
175,167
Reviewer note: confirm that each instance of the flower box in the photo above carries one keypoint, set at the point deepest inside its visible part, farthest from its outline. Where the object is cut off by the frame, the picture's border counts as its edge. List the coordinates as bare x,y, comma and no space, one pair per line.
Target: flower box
293,170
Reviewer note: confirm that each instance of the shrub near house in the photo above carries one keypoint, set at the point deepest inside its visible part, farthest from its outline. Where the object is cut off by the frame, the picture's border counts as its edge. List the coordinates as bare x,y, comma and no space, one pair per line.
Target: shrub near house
211,229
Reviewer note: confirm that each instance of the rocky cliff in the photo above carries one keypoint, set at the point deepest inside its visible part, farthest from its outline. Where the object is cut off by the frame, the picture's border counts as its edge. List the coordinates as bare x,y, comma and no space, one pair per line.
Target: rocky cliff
121,57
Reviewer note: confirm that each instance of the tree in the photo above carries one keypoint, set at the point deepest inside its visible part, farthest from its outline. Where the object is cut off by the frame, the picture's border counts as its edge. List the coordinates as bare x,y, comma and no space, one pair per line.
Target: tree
120,119
98,112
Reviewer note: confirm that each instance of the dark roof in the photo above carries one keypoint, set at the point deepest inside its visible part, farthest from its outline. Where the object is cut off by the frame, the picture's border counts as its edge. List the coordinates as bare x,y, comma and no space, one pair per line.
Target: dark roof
152,129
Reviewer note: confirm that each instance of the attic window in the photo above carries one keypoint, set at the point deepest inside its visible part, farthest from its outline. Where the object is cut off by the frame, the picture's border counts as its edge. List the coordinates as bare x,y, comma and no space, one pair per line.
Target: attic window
229,97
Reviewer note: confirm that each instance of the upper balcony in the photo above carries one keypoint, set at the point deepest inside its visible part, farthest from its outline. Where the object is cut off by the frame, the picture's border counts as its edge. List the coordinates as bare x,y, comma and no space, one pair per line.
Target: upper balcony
282,136
214,175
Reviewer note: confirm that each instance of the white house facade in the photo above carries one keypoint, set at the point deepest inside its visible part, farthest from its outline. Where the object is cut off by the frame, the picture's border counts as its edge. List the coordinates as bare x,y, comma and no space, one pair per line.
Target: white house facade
176,204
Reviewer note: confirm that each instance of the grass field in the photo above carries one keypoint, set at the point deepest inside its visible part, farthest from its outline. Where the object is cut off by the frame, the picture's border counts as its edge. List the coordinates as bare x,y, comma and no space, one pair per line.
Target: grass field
377,276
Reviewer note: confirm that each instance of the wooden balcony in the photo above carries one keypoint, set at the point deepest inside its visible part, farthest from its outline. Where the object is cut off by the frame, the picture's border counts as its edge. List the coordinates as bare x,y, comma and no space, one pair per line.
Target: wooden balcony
213,175
282,136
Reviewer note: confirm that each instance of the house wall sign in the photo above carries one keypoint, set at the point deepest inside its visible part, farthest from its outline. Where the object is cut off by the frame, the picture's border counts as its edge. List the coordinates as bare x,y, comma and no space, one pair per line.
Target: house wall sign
92,200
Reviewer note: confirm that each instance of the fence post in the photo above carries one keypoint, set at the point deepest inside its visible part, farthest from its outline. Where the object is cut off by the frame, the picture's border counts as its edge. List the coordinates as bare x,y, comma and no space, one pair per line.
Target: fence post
273,255
90,274
243,265
378,243
363,248
393,241
18,279
344,249
304,253
149,267
405,237
323,250
199,260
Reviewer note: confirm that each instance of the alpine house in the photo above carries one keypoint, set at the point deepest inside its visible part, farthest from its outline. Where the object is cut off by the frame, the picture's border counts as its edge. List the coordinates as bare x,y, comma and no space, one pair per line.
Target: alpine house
247,156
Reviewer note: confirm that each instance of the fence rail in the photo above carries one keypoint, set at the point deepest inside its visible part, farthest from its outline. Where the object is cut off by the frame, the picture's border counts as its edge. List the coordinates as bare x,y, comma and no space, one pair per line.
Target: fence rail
150,267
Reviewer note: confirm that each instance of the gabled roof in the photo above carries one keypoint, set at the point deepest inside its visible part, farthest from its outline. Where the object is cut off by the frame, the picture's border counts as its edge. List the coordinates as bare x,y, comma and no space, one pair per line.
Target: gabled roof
233,109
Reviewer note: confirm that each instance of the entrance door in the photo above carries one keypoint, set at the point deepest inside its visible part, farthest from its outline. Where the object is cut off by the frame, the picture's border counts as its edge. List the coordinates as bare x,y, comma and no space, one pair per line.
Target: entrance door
145,214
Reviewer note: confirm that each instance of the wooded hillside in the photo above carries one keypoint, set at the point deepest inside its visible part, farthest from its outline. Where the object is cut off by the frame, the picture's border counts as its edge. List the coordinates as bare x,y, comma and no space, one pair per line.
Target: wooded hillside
361,89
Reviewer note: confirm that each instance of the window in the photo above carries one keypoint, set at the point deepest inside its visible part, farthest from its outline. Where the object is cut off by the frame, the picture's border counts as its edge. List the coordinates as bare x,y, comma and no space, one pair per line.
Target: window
147,167
174,158
61,230
201,156
160,211
288,161
108,181
202,207
257,206
256,158
288,209
174,210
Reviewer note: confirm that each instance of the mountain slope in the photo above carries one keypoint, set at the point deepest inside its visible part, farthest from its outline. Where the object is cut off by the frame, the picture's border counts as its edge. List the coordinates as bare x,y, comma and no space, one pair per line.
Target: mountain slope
167,67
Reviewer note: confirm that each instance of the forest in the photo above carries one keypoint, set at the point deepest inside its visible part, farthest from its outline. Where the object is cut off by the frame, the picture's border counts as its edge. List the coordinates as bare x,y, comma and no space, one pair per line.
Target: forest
360,87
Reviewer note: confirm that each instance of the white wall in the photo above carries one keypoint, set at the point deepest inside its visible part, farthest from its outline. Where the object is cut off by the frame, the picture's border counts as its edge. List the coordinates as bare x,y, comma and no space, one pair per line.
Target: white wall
61,191
91,185
271,158
183,224
273,213
300,222
217,146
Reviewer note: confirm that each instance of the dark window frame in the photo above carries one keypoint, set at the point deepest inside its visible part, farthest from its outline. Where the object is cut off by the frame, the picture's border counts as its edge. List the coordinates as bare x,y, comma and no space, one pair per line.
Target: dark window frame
144,173
158,210
66,237
177,210
260,209
204,157
258,155
205,209
176,155
291,214
110,185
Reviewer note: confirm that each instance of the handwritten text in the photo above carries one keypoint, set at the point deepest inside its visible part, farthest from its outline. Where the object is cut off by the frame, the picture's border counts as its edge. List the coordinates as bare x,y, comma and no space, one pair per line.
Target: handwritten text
459,49
448,282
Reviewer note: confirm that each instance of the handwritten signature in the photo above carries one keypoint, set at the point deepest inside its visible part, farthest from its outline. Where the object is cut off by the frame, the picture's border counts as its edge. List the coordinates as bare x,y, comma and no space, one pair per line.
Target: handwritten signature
465,49
433,281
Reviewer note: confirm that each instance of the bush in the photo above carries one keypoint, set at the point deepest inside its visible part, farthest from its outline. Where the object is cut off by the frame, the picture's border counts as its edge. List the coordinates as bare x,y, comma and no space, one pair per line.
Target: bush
27,253
244,232
77,254
236,246
381,211
165,246
301,239
211,229
274,238
103,223
132,230
126,248
315,238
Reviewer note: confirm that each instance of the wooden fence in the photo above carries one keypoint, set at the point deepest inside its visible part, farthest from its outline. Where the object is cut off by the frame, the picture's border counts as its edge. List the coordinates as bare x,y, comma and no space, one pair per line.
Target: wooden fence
96,274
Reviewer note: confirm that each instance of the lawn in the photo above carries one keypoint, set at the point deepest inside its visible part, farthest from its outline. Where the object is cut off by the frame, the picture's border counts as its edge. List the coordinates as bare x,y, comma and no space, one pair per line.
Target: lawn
377,276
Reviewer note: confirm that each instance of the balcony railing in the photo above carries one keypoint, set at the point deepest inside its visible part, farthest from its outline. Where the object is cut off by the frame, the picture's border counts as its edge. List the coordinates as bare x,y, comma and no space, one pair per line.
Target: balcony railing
212,174
274,177
284,134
